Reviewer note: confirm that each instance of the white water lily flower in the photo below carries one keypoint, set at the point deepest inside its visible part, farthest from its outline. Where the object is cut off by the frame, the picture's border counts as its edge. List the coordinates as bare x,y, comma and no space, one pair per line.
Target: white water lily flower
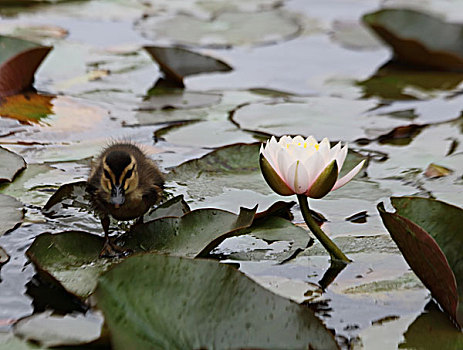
304,166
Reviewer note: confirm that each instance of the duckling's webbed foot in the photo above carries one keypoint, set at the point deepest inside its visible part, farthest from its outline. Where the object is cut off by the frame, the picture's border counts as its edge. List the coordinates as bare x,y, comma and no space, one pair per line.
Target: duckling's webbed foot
112,250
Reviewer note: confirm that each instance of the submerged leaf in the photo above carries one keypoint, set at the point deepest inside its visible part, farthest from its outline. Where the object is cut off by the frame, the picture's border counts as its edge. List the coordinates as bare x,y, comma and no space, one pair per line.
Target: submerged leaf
419,39
19,59
430,236
169,302
11,163
177,63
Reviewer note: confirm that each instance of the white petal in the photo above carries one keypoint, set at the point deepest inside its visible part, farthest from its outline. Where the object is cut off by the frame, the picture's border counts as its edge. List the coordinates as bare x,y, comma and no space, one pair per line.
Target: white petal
283,161
284,140
270,157
298,178
346,178
298,139
335,150
324,149
314,165
272,148
311,140
341,157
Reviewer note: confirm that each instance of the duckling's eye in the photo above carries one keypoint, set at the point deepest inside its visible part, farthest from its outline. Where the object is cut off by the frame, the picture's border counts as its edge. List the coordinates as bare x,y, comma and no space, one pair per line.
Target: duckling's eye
106,174
129,173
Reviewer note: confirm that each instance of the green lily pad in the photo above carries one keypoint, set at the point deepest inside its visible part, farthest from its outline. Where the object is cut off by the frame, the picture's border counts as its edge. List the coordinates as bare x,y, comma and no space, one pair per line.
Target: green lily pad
210,134
419,39
177,63
218,110
51,331
19,59
332,117
72,257
175,207
224,30
11,213
195,233
12,164
187,304
430,236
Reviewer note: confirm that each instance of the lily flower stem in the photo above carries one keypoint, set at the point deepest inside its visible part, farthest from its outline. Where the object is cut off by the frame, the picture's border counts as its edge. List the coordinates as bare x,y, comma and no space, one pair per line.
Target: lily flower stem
328,244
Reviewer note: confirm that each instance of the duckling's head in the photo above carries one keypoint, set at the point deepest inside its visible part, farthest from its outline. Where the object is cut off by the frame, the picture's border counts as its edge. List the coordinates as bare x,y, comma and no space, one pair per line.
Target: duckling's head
119,176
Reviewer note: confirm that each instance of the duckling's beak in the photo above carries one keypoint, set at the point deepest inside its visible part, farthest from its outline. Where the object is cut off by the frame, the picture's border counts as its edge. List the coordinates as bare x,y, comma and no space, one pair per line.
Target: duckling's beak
117,196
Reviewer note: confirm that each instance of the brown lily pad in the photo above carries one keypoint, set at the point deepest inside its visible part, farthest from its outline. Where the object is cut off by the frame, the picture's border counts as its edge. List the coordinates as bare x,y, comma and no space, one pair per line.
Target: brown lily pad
19,59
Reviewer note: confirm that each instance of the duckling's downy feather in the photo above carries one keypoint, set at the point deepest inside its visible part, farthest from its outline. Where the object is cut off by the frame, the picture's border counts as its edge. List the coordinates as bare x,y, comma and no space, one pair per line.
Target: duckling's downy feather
147,193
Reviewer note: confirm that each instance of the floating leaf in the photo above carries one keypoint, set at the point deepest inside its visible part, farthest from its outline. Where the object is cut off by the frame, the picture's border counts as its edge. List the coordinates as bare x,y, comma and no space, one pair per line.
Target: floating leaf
177,63
27,108
11,163
419,39
51,331
173,207
332,117
226,29
72,257
207,134
195,233
68,195
11,213
19,59
429,235
435,171
192,304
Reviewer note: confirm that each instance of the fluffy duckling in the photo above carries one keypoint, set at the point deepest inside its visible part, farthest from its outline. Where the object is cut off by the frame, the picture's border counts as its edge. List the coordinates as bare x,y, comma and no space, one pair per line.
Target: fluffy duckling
123,183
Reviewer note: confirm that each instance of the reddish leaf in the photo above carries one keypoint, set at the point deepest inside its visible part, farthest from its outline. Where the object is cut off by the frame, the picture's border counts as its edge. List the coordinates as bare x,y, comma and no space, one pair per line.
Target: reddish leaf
19,59
429,235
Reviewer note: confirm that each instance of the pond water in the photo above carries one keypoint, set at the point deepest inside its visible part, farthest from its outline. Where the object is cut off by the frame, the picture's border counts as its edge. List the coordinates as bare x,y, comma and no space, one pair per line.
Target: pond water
298,67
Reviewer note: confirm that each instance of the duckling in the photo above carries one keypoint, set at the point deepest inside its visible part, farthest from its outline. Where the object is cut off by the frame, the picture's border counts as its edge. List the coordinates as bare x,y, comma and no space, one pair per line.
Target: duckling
123,183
